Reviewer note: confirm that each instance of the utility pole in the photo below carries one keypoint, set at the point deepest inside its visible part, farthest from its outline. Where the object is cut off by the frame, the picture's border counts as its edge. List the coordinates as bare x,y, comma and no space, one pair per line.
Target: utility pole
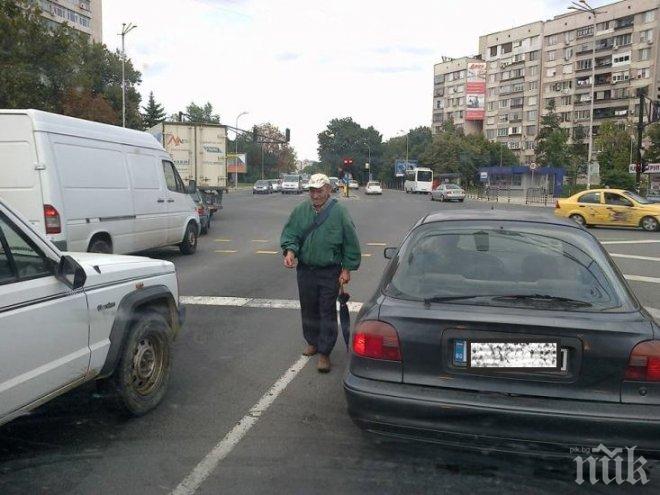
125,29
262,161
640,132
236,150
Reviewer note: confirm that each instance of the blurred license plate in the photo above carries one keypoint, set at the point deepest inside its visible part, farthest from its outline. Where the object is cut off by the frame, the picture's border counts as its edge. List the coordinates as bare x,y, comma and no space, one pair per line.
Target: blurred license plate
525,355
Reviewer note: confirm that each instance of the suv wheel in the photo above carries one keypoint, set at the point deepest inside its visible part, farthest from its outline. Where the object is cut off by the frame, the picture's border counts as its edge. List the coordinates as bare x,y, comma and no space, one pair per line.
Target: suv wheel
189,243
140,381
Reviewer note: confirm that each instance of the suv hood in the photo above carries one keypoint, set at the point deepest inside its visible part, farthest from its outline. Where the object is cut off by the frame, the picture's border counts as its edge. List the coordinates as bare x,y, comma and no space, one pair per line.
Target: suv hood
105,268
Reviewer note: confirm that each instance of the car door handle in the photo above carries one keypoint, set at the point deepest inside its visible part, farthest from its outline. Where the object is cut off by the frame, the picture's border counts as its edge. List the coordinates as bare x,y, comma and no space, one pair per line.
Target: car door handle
170,200
160,200
582,206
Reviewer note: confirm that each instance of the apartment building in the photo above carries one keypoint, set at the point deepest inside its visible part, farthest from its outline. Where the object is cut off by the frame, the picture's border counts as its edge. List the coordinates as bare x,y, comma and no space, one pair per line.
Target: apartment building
458,94
606,58
83,15
529,65
513,87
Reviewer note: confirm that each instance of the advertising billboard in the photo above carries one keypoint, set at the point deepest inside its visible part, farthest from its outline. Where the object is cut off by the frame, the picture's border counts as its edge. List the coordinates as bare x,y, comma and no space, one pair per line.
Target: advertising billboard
400,167
476,91
236,163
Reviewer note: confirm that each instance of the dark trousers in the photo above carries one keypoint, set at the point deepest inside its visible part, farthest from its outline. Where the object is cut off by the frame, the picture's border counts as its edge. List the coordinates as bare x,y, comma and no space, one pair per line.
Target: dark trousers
318,289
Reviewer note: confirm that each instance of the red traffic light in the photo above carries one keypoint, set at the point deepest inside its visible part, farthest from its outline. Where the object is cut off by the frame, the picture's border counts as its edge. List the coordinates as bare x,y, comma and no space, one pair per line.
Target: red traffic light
348,162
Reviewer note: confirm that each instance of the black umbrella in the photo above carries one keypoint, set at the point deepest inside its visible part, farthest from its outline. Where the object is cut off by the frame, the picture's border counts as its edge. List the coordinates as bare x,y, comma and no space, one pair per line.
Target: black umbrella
344,317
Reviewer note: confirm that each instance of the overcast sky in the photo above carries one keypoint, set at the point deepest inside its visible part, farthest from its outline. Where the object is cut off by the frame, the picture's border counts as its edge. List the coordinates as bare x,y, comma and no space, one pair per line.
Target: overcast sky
300,63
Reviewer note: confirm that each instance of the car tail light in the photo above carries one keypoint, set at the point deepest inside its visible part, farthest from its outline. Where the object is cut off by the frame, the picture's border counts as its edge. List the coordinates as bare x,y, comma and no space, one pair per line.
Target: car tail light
52,220
644,362
376,340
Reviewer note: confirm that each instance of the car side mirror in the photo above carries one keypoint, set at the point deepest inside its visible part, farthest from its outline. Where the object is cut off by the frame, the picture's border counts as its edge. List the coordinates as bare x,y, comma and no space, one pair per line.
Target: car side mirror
71,273
390,252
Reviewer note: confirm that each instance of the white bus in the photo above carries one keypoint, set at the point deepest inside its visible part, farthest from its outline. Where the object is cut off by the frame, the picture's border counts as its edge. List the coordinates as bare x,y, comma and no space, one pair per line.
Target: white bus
418,180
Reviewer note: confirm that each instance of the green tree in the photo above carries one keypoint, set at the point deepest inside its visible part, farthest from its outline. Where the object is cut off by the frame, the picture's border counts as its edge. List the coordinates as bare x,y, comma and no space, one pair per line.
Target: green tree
204,113
552,141
345,138
579,151
278,157
652,154
153,112
613,145
60,70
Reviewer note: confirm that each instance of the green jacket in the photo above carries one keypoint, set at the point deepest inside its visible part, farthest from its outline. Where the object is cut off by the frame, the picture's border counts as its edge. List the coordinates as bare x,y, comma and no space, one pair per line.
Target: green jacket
335,242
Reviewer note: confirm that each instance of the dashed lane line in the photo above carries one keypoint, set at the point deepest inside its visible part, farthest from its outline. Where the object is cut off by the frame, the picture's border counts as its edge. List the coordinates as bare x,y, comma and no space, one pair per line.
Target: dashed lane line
640,241
202,471
226,251
640,278
260,240
222,240
634,257
376,244
366,255
268,252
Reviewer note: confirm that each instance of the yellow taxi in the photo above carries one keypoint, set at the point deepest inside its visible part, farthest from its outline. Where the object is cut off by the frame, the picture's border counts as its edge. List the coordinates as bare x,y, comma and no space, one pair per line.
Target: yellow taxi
610,207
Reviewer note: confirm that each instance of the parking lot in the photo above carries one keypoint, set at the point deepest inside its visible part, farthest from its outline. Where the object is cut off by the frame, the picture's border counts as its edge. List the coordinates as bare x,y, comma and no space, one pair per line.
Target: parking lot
245,413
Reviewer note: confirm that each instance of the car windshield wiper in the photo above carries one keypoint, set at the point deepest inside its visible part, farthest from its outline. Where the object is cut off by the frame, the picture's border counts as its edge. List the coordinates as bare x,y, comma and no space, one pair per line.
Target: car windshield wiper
545,297
429,300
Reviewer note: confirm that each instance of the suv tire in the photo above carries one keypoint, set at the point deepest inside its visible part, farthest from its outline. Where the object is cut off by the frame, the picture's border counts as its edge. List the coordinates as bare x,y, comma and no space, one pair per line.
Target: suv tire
142,375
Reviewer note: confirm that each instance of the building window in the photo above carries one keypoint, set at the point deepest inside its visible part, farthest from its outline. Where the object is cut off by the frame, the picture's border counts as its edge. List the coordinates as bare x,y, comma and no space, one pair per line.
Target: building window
515,130
567,69
642,73
517,87
507,47
534,40
552,40
551,55
621,59
534,71
622,76
551,72
504,103
513,145
583,64
532,100
492,78
515,117
623,40
565,116
490,121
645,36
532,115
530,130
517,102
565,100
504,117
531,56
519,58
568,53
493,51
581,115
490,106
532,85
584,31
501,131
602,26
490,134
644,54
439,79
649,16
569,36
620,93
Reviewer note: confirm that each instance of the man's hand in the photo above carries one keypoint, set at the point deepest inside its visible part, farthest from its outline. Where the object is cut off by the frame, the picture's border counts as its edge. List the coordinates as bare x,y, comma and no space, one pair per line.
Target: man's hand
344,276
290,259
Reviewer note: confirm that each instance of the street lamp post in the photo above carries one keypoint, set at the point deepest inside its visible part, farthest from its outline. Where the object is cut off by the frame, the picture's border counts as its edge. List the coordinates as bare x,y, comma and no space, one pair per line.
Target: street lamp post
407,135
236,150
369,160
583,6
125,29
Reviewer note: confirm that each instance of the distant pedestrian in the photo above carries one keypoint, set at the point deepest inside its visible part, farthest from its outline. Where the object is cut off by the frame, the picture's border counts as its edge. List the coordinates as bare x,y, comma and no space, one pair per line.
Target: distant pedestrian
320,239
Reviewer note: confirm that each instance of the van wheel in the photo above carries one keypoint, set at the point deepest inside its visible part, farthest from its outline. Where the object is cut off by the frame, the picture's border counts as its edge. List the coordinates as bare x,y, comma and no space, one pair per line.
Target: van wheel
143,372
99,246
189,243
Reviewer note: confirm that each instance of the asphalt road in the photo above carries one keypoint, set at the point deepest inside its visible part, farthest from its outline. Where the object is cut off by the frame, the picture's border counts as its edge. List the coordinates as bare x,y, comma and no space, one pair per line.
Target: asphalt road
235,404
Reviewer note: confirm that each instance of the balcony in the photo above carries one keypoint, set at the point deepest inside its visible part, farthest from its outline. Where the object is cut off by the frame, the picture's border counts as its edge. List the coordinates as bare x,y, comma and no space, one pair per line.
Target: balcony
517,105
624,23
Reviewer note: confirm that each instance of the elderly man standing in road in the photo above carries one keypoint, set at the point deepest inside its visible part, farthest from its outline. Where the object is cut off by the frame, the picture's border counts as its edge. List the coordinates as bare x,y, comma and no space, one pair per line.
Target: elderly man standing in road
320,238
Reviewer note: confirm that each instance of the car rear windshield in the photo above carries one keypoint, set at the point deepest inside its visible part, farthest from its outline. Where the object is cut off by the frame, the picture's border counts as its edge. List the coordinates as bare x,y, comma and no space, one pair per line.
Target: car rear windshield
262,183
451,186
373,184
505,267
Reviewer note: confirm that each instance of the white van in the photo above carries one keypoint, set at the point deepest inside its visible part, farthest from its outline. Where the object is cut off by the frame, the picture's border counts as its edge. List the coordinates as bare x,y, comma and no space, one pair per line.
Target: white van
94,187
419,180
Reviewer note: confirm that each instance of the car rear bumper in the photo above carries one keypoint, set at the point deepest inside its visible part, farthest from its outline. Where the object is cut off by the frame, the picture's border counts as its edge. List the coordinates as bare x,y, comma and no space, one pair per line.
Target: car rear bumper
466,419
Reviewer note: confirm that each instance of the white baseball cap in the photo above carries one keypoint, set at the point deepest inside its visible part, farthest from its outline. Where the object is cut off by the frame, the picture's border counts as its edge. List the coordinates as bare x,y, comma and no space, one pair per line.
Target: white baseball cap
317,181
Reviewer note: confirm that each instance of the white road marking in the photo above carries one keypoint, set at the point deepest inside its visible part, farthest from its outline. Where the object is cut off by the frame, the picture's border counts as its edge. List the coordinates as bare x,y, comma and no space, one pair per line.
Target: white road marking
226,251
244,302
268,252
260,240
366,255
376,244
641,241
634,257
202,471
639,278
222,240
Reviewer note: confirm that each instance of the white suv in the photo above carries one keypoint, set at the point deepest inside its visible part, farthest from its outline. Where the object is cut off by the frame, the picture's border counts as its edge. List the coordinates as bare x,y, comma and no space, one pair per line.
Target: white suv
67,318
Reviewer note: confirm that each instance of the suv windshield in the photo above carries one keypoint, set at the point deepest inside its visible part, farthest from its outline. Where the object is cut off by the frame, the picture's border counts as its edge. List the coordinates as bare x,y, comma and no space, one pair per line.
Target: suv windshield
500,267
261,183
